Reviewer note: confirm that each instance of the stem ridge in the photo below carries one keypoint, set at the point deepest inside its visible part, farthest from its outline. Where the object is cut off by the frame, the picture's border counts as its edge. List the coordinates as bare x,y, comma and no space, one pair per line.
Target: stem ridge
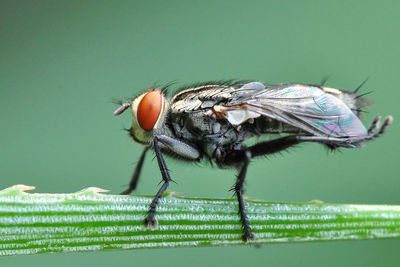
90,221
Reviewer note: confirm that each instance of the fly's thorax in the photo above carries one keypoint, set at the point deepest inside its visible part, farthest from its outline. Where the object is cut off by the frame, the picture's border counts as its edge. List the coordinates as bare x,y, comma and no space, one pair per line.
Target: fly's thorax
148,115
207,132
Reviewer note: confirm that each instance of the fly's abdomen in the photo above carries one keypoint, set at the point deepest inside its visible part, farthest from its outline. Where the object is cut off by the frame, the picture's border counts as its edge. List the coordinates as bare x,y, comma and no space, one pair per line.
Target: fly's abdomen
311,109
264,125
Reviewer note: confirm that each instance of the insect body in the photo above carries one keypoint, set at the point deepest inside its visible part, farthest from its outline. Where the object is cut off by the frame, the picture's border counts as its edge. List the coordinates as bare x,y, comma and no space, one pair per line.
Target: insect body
212,120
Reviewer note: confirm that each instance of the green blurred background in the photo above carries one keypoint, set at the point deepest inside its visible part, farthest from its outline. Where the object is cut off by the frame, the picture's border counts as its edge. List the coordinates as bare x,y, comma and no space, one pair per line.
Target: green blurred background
63,62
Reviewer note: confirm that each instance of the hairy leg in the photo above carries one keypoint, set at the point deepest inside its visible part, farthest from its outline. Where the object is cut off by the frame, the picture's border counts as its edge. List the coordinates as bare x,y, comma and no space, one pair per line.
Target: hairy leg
150,219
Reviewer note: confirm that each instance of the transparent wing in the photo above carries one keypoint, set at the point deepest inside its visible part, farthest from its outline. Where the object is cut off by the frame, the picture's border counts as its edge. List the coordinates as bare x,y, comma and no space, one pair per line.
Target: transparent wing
304,106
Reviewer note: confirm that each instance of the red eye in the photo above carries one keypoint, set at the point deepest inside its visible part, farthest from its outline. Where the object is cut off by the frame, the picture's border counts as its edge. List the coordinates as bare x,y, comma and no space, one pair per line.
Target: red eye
149,109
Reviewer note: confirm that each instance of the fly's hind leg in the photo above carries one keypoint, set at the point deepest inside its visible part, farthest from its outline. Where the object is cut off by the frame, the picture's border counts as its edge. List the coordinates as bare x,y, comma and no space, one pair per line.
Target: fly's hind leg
352,142
242,157
375,126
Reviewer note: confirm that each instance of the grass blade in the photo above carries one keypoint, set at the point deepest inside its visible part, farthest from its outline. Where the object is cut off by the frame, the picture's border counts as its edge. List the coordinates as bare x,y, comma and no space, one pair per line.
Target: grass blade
91,221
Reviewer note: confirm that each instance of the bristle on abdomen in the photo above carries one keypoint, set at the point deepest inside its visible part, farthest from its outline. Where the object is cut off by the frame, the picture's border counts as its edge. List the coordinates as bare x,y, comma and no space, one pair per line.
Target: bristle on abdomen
354,101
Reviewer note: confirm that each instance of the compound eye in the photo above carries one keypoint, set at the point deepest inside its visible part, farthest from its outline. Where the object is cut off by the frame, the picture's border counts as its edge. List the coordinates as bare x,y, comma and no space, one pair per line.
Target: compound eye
149,110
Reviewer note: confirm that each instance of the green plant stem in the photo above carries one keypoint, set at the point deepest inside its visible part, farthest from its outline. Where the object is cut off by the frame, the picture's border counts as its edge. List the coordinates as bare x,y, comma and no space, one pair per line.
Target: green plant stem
91,221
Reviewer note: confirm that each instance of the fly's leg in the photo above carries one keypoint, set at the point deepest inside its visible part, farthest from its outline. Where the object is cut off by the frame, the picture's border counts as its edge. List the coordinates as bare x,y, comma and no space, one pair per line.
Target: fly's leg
136,174
279,144
170,144
150,219
352,141
273,146
375,125
178,148
234,158
175,148
238,188
263,149
243,157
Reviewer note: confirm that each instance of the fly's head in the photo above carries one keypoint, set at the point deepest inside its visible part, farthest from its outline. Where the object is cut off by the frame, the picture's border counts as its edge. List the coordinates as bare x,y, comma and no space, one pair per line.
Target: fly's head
148,114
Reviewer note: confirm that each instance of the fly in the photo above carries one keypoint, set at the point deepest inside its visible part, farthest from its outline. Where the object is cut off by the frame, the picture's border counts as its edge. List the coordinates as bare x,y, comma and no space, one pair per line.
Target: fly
212,120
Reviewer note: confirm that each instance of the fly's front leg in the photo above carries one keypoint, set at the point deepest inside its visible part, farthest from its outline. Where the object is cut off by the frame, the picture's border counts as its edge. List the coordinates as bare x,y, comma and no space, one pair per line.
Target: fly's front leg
178,148
174,147
136,174
150,219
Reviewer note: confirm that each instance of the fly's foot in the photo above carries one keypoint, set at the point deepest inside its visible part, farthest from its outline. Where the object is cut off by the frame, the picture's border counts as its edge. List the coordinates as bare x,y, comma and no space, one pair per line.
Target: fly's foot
247,236
150,221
